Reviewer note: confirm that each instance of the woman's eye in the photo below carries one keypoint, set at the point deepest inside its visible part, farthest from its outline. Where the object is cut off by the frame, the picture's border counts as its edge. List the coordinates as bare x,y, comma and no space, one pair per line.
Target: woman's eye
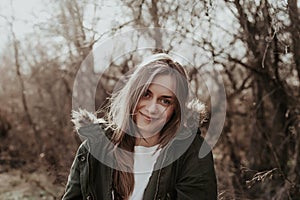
165,102
146,95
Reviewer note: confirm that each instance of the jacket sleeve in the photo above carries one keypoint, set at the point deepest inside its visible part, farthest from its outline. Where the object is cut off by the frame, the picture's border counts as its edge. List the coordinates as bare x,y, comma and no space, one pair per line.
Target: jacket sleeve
197,179
73,187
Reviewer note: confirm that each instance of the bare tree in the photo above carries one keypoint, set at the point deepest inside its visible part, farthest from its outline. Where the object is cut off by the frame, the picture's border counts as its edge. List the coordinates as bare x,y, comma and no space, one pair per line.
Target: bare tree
16,55
275,97
253,44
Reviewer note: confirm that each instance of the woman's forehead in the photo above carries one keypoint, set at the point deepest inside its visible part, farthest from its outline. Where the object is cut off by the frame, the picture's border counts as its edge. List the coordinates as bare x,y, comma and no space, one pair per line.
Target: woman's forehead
164,84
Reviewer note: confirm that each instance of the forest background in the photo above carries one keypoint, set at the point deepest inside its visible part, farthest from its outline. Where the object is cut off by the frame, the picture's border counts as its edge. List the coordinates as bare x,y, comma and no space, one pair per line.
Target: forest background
252,48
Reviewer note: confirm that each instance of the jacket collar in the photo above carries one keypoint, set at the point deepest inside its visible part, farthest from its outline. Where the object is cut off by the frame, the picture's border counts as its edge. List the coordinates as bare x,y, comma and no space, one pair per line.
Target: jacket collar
82,118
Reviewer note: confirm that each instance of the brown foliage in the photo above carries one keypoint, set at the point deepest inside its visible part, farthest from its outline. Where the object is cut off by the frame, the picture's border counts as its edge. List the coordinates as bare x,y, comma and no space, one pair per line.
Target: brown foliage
255,46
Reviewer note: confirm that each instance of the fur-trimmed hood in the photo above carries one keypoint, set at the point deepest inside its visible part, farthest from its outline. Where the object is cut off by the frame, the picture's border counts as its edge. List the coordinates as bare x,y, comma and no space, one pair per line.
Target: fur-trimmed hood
196,116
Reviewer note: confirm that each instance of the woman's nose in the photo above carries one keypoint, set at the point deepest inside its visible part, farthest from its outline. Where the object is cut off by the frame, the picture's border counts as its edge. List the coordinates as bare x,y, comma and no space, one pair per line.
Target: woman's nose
152,107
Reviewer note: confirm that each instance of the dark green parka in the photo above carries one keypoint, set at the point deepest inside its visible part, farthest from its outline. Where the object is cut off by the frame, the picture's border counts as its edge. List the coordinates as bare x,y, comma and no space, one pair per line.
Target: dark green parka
188,177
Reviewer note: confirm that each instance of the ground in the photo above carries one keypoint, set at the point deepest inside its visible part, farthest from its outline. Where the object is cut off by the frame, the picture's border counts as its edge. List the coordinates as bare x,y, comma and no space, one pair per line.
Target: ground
15,185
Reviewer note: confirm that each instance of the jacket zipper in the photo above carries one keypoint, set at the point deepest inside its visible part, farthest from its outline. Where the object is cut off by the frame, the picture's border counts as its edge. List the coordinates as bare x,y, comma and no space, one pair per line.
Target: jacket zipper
159,173
88,176
110,190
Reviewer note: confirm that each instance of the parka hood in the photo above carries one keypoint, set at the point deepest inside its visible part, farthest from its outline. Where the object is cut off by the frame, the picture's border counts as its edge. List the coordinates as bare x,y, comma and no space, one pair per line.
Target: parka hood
196,115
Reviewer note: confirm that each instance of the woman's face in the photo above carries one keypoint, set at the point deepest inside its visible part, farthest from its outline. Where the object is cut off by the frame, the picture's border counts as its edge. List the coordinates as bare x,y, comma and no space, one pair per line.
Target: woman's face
156,106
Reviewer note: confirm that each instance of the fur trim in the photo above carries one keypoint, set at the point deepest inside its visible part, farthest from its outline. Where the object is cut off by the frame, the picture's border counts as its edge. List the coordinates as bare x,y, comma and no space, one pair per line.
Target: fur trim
83,118
198,114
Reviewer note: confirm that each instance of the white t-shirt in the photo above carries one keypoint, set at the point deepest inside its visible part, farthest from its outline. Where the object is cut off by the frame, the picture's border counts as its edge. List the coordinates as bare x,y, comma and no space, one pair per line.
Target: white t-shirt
144,160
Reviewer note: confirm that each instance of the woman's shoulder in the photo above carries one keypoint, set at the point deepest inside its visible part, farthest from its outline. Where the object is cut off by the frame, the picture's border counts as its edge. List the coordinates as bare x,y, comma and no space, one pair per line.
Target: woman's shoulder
196,143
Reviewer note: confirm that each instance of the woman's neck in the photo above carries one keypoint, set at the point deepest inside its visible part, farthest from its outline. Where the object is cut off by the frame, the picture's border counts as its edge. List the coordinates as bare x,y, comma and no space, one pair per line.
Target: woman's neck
147,141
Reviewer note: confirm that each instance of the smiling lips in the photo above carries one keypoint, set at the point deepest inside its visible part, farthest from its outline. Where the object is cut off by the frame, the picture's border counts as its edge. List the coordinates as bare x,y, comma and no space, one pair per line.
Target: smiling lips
147,118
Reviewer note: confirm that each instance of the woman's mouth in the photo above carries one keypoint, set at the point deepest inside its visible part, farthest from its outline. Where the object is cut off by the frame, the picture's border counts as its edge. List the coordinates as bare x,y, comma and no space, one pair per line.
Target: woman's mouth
148,118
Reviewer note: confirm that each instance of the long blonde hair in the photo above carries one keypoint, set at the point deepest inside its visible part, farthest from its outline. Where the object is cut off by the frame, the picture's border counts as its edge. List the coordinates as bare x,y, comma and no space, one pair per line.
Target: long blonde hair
121,110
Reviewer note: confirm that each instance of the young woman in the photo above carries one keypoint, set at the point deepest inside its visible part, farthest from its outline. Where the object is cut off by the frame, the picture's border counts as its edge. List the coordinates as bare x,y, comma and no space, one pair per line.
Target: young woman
147,146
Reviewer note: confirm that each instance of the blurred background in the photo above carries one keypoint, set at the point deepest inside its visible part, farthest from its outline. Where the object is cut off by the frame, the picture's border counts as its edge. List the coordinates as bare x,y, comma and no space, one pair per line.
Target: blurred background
253,46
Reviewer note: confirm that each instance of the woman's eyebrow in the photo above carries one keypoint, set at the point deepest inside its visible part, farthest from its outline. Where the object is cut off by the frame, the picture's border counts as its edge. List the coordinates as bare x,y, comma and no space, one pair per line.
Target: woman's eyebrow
148,90
168,97
163,96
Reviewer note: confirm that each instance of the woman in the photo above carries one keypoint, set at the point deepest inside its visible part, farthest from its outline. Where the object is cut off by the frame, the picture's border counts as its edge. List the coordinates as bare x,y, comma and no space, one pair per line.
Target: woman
147,147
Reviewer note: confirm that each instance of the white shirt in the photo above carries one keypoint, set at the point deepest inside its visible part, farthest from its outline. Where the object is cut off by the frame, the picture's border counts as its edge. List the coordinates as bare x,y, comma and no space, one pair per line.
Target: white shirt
144,160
